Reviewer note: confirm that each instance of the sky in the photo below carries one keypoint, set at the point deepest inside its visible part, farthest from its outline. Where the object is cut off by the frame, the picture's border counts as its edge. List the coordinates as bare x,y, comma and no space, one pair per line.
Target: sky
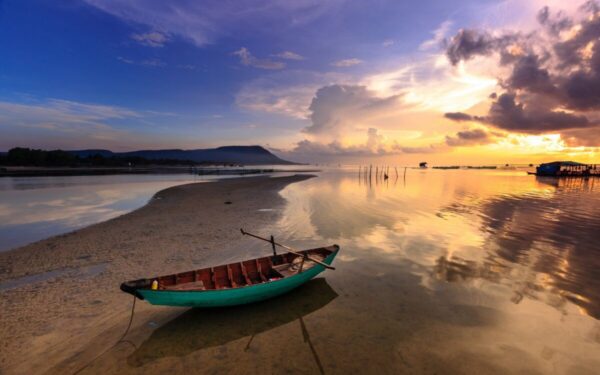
397,82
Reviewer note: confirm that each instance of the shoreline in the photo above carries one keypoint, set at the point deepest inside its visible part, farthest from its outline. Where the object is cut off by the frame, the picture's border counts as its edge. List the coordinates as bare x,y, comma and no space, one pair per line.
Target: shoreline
146,170
46,323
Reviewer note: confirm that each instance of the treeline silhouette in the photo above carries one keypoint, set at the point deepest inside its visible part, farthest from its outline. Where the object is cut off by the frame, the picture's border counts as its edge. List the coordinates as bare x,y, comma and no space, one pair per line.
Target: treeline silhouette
21,156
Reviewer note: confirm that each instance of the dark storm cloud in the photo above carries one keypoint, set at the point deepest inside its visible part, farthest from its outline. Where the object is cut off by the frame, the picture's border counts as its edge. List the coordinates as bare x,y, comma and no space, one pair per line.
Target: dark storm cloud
554,24
507,113
468,43
527,74
553,82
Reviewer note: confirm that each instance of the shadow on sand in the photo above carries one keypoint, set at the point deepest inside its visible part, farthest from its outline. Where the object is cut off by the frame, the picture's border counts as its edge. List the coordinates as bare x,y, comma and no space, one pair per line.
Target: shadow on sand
198,329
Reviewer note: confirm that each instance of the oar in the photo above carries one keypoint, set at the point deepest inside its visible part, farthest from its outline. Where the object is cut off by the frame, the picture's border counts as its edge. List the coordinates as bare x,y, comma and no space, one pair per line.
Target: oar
293,251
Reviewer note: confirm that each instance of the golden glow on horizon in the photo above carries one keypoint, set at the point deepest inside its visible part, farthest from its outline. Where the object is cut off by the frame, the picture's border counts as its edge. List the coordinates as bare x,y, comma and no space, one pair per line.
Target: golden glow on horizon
534,143
514,148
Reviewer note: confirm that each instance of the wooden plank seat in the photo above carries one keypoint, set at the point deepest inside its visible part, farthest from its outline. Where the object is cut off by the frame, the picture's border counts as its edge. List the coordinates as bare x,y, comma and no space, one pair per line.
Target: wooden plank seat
239,274
193,285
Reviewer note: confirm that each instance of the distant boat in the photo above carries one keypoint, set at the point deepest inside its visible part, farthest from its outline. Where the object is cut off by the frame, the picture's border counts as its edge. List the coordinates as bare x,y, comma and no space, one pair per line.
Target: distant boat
423,164
235,283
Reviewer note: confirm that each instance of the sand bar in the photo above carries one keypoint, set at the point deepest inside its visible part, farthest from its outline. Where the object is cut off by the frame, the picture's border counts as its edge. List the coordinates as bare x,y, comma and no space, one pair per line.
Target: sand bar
62,294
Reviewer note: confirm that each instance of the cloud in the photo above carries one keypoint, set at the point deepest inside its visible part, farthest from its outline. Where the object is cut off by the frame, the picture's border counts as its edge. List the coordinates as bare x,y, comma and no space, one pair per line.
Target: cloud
346,63
152,62
388,43
125,60
246,58
62,123
582,137
471,137
431,149
459,116
438,38
286,92
203,22
468,43
338,108
156,63
187,66
551,78
151,39
309,150
554,23
289,55
374,144
68,111
506,113
528,75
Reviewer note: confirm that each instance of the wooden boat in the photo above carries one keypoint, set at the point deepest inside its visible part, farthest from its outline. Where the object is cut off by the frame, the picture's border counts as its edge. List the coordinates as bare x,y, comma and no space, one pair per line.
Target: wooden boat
235,283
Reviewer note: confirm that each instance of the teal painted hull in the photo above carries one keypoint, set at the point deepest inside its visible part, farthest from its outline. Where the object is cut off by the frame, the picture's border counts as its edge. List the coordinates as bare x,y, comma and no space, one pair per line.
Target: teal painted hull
234,296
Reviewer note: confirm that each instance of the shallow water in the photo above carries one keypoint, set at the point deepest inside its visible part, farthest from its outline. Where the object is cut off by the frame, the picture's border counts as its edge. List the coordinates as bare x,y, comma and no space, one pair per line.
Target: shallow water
459,271
34,208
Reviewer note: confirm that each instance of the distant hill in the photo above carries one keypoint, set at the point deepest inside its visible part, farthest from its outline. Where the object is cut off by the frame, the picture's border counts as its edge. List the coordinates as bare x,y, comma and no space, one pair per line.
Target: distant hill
250,155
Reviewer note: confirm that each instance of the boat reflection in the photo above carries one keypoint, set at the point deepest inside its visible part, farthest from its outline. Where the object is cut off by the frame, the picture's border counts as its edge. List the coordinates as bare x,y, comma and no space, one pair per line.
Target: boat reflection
575,184
198,329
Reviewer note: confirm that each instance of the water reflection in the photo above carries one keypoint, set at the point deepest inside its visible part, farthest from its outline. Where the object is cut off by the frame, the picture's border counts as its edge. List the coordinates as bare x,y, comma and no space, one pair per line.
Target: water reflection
33,208
538,237
199,329
553,239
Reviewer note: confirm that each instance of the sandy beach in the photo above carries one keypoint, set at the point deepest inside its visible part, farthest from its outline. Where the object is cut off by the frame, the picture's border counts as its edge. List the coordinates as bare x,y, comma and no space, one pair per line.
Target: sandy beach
60,298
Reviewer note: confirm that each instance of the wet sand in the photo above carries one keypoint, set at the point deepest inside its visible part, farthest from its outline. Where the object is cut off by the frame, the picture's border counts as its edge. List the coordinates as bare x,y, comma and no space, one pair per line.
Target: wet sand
60,299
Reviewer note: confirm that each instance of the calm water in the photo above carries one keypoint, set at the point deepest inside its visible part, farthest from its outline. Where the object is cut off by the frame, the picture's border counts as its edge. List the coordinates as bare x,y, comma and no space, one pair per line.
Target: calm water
458,271
34,208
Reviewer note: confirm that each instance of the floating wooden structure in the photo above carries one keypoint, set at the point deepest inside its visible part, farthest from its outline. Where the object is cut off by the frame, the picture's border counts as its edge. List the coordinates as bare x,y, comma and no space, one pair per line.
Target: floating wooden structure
235,283
447,167
567,169
482,166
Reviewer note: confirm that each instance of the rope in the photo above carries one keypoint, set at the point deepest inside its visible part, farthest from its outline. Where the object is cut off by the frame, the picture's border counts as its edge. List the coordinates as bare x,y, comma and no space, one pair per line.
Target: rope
116,343
130,321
